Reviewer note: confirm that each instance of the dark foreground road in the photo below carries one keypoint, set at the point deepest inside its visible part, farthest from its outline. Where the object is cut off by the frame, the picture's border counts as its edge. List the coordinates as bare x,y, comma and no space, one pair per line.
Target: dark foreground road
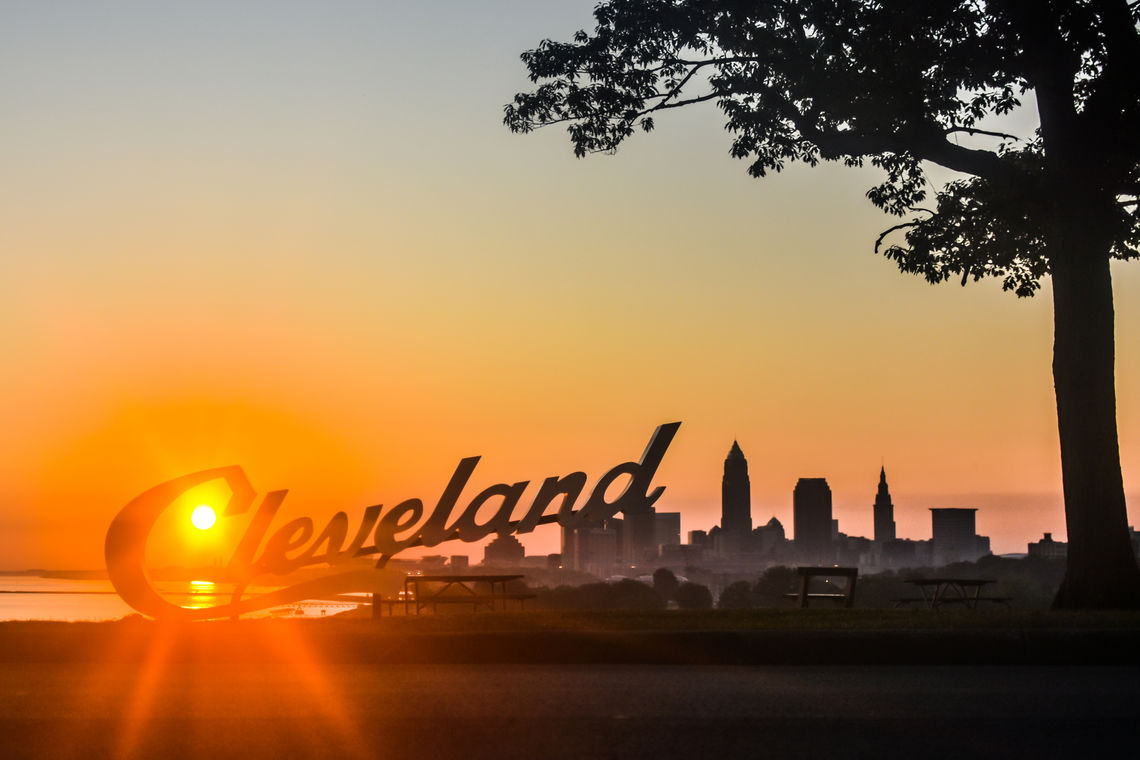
157,710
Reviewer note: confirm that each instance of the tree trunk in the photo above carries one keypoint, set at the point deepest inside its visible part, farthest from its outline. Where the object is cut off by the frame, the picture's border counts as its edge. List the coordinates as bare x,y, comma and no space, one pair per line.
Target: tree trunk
1101,570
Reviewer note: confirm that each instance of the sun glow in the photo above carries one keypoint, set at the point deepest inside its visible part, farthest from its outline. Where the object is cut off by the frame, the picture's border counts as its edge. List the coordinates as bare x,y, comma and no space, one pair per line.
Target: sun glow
203,517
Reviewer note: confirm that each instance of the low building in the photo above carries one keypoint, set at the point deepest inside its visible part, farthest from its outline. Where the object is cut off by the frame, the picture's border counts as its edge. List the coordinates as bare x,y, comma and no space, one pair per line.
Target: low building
504,550
1047,548
770,537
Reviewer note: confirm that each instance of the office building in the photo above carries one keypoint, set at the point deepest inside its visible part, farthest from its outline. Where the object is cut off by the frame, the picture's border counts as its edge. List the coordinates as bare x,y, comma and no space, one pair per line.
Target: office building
769,538
811,520
736,493
1047,548
954,535
590,548
504,550
667,529
639,536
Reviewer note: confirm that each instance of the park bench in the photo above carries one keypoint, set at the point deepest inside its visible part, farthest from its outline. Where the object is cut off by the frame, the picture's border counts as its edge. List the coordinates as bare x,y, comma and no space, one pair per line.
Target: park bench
846,596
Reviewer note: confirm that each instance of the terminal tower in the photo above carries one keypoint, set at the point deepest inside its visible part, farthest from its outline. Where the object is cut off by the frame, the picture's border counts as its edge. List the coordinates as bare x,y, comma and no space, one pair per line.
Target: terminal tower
884,511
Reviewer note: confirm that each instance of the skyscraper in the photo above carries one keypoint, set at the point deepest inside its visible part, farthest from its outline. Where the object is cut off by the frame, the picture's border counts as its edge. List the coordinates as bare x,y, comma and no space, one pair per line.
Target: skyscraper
736,493
811,519
954,534
591,548
667,529
884,511
639,539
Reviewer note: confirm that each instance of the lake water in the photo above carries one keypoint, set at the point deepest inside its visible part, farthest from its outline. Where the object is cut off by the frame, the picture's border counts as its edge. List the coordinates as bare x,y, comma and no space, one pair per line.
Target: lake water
24,597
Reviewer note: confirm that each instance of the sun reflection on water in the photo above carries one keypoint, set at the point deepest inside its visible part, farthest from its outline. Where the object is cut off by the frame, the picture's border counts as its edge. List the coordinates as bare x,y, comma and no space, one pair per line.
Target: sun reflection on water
202,594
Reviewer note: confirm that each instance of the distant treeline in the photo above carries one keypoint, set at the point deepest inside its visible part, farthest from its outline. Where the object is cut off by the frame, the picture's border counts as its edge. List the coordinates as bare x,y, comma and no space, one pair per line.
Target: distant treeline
627,595
1029,583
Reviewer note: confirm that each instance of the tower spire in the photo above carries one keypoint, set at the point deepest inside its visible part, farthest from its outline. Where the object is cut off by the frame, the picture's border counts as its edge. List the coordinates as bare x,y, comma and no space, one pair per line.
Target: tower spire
884,510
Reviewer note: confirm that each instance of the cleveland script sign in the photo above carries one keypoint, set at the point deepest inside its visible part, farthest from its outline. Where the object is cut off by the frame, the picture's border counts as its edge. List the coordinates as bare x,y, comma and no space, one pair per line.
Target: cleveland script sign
381,532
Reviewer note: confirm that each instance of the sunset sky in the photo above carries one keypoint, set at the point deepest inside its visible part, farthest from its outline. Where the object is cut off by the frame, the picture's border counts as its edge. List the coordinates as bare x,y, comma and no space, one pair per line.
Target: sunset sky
296,237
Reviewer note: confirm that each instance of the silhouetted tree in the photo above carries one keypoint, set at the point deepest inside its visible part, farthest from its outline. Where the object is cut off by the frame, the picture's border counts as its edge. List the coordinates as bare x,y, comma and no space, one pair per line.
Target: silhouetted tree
897,84
629,594
624,595
773,584
736,596
693,596
665,583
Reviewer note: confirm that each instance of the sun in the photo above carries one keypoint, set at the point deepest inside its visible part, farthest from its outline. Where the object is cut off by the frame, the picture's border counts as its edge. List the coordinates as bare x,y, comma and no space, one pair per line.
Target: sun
203,517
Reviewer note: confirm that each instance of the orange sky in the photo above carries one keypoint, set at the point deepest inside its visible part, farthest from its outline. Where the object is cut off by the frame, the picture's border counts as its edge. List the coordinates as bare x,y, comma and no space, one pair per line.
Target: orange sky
301,241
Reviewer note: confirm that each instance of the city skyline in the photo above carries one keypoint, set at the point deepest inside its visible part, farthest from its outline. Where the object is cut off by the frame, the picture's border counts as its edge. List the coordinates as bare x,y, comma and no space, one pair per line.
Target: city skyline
235,236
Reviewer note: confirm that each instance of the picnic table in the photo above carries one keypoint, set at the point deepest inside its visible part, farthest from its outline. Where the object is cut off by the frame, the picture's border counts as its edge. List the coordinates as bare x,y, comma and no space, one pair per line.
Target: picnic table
846,595
940,591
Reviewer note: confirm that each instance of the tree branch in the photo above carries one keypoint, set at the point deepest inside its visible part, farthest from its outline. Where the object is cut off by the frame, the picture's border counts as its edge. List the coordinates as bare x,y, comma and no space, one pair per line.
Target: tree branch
930,146
882,235
980,163
676,89
678,103
975,131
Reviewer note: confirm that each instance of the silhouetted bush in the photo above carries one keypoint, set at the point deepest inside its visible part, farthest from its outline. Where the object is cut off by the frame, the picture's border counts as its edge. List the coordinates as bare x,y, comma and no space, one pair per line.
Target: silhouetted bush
1029,583
693,596
665,583
737,596
632,595
773,584
882,590
623,595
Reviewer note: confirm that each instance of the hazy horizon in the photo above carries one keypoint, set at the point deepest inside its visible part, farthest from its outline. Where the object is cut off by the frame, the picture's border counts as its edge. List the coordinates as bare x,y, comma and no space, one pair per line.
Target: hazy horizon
1002,513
